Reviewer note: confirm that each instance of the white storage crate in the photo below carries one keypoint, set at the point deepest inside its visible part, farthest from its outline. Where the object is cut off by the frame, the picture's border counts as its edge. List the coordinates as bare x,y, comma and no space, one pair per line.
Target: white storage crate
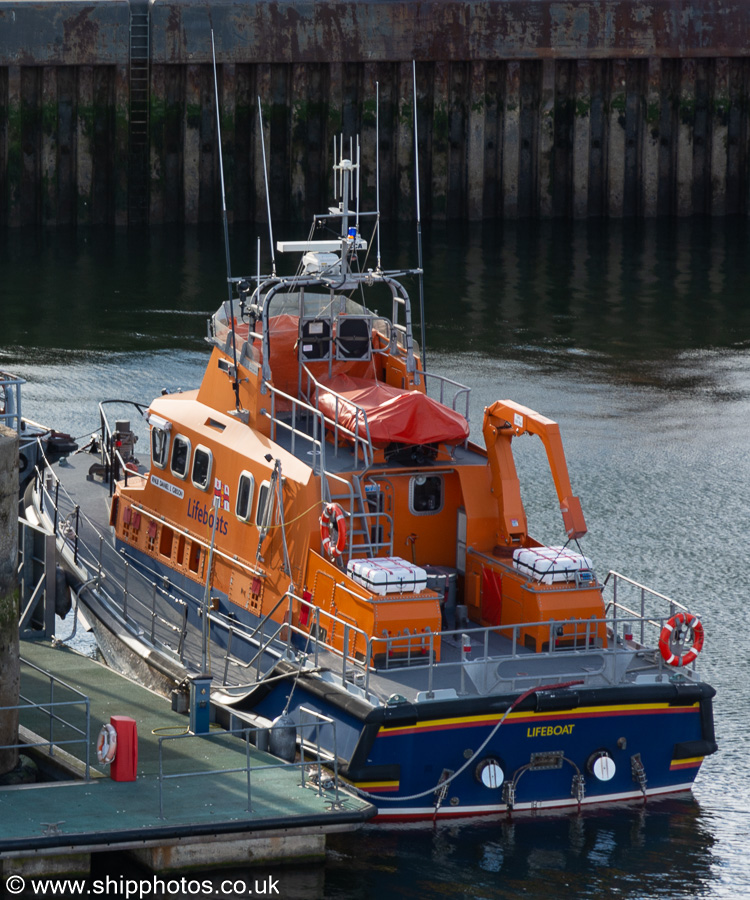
387,575
551,564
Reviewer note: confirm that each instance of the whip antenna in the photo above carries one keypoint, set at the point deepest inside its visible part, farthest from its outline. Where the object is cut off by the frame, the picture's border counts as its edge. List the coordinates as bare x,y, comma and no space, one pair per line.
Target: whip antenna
226,227
268,196
377,164
419,221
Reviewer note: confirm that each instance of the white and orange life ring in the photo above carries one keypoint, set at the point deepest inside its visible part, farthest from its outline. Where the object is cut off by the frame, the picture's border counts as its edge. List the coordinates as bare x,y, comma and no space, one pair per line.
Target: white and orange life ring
682,620
106,744
333,515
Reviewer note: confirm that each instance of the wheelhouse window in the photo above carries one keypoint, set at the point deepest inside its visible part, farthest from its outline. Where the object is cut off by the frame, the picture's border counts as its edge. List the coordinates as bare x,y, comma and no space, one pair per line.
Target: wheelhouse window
180,456
425,494
159,447
263,497
202,467
245,490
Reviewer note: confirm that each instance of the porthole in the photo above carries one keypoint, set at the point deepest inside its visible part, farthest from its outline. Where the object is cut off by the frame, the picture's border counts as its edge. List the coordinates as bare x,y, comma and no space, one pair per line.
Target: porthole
425,494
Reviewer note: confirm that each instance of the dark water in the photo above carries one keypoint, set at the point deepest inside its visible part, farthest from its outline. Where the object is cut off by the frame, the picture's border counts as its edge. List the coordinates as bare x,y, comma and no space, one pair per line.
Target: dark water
636,338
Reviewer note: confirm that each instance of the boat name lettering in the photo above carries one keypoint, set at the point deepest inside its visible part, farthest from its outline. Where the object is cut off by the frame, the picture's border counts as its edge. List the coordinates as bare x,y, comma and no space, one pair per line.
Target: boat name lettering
166,486
205,515
550,730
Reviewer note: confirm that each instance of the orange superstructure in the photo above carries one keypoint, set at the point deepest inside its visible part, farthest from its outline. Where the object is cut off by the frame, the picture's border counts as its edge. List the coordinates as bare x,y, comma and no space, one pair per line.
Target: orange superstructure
310,399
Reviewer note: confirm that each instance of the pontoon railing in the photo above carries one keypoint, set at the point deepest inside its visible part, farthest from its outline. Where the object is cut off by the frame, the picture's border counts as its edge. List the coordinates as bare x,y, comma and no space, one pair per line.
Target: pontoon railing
252,770
54,711
10,408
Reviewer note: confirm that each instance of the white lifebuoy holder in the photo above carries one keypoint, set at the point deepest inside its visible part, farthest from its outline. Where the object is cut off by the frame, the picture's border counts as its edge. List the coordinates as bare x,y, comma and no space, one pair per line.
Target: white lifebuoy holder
681,620
106,745
333,515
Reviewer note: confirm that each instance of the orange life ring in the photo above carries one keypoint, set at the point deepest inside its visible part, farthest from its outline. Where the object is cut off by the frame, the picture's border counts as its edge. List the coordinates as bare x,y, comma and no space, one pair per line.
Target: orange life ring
333,514
687,620
106,744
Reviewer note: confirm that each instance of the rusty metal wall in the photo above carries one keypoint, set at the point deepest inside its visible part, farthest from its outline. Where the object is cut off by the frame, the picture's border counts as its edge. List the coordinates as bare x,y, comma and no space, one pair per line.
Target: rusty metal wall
527,108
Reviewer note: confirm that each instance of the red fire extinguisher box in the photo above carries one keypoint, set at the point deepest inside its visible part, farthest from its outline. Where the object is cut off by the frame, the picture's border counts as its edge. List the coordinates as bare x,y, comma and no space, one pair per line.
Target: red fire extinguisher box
125,764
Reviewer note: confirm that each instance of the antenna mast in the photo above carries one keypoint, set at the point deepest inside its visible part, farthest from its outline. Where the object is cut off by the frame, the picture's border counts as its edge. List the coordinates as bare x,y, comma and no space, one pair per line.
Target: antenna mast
226,228
377,164
419,221
268,196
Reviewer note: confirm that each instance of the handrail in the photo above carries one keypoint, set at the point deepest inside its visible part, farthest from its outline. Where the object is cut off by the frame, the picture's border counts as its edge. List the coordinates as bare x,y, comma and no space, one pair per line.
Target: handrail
248,768
461,389
363,443
616,576
50,708
111,457
10,412
357,649
615,605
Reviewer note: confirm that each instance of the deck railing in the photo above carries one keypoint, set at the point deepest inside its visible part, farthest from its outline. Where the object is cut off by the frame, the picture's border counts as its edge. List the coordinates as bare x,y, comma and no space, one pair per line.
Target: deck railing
623,628
565,638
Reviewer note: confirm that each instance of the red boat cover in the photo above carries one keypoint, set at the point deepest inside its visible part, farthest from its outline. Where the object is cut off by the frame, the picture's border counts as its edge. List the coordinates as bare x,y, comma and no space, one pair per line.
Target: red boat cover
394,415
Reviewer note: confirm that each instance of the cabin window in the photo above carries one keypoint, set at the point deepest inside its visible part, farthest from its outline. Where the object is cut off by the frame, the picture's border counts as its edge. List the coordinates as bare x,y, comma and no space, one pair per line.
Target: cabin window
425,494
202,467
245,491
263,495
159,447
180,456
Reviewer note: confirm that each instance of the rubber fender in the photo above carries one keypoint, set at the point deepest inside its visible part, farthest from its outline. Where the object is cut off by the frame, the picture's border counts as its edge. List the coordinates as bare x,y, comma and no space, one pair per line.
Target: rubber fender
282,739
63,602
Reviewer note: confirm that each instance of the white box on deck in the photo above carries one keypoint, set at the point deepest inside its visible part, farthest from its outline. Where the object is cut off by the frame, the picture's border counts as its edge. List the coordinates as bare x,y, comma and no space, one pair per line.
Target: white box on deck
550,564
387,575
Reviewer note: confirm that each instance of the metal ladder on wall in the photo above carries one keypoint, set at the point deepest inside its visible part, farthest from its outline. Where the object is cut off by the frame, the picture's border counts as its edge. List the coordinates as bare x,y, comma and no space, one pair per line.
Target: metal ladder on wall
138,144
364,523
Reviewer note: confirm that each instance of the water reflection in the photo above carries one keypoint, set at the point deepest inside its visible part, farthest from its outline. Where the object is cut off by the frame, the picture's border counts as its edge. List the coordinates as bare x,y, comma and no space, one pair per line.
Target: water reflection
624,293
630,291
663,849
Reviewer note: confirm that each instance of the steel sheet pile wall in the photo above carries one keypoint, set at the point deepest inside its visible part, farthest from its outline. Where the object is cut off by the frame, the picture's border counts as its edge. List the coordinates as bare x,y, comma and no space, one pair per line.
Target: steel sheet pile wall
526,107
